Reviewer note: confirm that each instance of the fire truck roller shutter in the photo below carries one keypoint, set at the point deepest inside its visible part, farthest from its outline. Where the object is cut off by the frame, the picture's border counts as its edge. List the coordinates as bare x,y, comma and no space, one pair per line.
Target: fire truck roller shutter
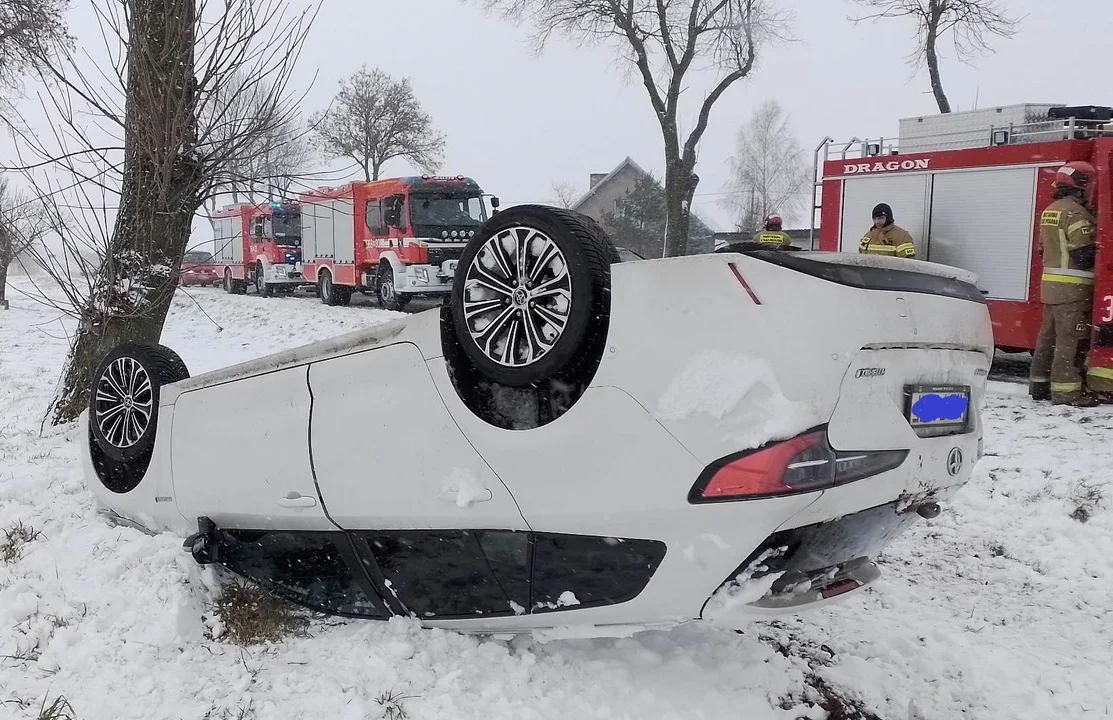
906,194
981,221
343,227
308,232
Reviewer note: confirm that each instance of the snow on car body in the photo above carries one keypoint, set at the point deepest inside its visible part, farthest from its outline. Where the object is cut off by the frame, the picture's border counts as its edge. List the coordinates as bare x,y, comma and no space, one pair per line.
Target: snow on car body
718,418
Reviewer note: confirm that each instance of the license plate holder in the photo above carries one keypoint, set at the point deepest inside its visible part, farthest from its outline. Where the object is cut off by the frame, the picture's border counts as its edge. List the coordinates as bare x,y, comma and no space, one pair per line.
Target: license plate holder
937,409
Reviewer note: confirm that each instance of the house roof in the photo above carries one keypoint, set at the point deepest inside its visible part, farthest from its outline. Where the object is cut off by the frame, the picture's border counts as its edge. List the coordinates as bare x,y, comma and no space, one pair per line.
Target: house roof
627,163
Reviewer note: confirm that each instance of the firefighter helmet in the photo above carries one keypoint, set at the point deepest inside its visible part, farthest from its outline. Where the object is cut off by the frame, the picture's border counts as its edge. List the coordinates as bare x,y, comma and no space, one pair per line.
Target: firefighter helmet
773,222
1075,174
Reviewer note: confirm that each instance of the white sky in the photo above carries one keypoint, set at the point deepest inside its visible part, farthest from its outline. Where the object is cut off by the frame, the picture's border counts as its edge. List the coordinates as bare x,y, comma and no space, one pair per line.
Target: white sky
518,122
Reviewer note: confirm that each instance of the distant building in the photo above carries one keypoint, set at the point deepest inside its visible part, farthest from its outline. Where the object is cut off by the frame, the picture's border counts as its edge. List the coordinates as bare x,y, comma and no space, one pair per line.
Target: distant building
630,204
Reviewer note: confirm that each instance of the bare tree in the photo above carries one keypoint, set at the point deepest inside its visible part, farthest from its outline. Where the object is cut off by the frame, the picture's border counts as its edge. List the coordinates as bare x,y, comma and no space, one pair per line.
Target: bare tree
971,24
268,164
566,194
768,171
664,40
22,224
375,118
141,144
30,32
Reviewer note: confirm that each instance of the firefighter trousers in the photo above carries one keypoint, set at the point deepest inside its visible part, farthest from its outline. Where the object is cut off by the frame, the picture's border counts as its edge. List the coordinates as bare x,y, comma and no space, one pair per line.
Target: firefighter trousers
1061,349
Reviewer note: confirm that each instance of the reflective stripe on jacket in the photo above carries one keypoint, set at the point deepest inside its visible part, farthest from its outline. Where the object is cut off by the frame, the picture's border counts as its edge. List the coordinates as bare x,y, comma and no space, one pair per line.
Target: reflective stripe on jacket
892,240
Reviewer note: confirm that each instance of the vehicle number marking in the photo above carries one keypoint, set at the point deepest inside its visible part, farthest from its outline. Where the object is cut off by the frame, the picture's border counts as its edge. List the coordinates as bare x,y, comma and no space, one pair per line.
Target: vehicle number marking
1107,315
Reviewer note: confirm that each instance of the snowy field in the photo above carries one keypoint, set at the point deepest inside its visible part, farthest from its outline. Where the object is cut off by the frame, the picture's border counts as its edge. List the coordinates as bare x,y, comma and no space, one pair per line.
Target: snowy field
1000,608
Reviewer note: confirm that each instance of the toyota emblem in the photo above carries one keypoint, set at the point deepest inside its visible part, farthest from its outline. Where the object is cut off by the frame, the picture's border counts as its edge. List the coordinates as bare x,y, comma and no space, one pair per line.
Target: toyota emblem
954,461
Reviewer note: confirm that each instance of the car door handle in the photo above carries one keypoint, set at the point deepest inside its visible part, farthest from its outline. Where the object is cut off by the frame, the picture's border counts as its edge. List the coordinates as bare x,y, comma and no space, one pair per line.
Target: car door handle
452,496
297,500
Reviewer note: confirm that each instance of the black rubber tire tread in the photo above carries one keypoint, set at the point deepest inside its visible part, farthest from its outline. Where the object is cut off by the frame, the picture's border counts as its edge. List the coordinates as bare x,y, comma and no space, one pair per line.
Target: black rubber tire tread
329,299
168,364
228,282
264,288
562,362
399,303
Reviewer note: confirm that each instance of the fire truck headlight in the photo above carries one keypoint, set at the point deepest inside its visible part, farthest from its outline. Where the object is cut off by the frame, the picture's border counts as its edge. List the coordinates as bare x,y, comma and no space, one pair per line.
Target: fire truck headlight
455,234
444,233
422,275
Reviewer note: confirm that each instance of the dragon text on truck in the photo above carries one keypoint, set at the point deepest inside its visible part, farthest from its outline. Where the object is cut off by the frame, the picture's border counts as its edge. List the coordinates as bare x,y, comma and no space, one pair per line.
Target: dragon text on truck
394,238
260,245
970,188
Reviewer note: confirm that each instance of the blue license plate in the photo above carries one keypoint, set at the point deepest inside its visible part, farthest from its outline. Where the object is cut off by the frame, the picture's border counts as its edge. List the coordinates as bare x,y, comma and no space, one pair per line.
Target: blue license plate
931,406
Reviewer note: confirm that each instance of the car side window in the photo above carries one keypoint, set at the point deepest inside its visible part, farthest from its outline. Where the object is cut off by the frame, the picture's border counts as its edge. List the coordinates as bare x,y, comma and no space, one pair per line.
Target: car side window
313,569
574,570
454,573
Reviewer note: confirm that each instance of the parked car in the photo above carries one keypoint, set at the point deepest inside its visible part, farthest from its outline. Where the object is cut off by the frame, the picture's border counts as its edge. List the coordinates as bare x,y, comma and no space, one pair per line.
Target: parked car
569,441
198,269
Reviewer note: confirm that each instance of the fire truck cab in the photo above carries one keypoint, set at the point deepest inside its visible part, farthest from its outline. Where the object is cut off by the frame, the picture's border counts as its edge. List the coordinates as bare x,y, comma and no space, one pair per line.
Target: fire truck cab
395,238
259,245
970,188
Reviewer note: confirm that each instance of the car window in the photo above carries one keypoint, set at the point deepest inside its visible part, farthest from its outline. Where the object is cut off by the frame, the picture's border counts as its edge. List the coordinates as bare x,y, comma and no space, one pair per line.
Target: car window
197,256
307,568
573,570
453,573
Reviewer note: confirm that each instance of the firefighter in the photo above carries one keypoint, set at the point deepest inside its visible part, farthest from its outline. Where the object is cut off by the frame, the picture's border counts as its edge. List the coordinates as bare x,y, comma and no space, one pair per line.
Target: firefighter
1067,248
771,234
885,237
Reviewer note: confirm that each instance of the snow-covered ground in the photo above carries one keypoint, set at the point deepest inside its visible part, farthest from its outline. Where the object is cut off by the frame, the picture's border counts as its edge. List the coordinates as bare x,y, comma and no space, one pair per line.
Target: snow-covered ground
1000,608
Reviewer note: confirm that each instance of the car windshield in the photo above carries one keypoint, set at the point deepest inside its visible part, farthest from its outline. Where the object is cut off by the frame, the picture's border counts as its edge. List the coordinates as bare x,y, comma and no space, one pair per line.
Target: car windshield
198,256
286,228
447,210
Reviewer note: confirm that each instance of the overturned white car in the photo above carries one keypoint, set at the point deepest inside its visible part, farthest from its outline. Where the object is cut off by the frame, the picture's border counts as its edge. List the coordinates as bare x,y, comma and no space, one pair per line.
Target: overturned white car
569,442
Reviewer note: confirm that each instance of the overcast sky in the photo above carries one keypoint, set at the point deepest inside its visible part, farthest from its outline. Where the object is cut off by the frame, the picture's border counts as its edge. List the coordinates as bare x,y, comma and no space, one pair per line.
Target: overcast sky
518,122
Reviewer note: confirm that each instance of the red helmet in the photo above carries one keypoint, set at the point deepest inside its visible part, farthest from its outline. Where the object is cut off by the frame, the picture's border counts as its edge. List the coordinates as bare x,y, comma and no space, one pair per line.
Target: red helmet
1076,174
773,221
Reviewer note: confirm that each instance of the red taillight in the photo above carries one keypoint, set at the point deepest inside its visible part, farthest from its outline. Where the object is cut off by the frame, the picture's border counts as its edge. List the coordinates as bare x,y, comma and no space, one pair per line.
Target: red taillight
802,464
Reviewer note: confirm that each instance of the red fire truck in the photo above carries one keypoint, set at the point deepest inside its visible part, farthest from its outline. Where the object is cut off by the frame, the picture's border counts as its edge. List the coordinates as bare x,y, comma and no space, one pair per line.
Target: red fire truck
970,188
395,238
258,245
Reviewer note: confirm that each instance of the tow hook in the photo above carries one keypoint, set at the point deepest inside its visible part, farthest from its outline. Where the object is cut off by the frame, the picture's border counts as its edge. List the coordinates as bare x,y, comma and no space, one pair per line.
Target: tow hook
929,510
203,545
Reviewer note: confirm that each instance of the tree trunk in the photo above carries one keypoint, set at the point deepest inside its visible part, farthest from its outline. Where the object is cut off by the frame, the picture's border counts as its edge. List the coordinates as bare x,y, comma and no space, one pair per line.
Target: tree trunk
933,67
4,262
680,187
158,197
375,168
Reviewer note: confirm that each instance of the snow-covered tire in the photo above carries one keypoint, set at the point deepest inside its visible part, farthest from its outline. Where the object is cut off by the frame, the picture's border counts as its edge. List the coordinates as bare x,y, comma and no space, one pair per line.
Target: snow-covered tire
228,283
531,295
124,397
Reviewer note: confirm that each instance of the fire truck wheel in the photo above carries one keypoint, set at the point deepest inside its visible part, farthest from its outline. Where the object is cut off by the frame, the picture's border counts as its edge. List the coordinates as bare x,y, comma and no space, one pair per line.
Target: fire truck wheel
228,286
388,295
531,296
123,399
262,287
331,293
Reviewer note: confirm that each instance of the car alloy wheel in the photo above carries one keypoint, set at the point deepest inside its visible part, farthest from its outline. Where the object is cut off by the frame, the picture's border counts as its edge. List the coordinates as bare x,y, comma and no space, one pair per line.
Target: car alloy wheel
517,296
124,403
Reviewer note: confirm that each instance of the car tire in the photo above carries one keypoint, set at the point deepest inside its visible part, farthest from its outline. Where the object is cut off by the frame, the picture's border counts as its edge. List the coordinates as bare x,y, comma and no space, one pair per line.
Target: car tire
564,296
228,283
265,289
387,293
124,398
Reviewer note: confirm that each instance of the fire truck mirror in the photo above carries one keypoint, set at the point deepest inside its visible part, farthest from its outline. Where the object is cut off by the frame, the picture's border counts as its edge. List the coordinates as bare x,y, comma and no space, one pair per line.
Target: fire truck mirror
495,202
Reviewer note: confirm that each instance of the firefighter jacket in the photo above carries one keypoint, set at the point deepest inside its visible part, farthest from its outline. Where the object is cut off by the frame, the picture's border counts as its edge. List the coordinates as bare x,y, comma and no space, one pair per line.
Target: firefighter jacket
772,237
1067,248
891,240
